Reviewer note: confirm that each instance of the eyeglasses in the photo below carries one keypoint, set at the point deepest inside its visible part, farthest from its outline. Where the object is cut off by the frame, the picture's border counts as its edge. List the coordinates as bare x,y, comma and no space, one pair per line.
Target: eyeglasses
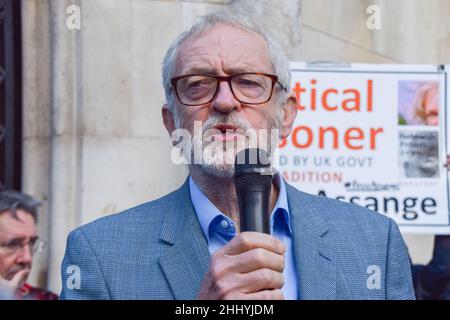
248,88
14,246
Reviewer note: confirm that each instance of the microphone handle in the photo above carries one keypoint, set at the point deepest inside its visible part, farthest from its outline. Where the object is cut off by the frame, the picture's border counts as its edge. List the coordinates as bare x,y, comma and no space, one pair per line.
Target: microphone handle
254,210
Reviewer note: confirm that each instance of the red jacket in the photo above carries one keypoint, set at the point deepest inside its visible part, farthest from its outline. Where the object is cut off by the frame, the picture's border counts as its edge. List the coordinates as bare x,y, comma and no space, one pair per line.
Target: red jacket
28,292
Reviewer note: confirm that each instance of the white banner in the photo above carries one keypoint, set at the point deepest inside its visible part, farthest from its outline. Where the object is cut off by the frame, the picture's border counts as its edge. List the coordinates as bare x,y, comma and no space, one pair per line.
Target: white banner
373,135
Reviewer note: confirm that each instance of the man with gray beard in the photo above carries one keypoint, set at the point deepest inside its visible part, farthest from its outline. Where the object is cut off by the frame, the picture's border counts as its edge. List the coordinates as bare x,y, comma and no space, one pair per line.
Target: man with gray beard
225,77
18,244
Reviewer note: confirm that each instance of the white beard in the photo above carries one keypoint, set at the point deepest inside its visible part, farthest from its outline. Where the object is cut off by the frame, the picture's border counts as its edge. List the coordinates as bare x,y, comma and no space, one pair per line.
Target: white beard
217,157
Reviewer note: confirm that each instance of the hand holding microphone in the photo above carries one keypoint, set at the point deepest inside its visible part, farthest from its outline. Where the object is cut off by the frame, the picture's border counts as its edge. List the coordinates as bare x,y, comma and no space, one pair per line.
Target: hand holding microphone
251,265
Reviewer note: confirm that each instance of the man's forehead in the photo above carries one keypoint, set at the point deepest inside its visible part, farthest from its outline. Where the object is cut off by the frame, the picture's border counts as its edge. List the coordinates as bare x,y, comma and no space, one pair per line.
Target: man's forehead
224,47
9,224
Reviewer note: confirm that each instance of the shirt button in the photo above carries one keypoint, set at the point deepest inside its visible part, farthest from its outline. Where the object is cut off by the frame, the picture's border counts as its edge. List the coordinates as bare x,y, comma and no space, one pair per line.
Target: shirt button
224,224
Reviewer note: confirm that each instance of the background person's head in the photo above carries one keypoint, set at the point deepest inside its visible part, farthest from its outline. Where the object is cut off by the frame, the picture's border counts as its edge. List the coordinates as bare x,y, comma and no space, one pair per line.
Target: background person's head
426,103
18,235
227,43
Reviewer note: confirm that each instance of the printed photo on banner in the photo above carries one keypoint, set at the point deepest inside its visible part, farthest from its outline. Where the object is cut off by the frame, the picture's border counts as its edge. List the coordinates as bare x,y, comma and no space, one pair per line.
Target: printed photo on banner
418,103
419,154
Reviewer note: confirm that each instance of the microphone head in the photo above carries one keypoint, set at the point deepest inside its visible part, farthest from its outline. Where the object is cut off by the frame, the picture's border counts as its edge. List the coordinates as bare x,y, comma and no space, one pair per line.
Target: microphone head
252,168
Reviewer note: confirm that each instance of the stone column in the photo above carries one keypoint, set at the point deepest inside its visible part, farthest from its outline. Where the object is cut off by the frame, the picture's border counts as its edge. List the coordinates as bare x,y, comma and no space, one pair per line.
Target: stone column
37,120
66,138
52,128
282,18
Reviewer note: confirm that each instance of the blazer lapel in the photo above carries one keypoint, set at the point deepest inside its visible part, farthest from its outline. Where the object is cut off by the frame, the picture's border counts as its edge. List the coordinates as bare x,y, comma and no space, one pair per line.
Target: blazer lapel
185,256
313,250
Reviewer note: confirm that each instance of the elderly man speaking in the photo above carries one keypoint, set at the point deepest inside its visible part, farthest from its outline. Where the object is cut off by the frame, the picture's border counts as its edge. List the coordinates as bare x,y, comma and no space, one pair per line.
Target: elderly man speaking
229,75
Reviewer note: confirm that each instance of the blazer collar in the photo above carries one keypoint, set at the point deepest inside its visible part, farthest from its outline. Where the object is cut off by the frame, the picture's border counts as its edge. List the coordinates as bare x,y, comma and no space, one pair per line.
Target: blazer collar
185,256
313,248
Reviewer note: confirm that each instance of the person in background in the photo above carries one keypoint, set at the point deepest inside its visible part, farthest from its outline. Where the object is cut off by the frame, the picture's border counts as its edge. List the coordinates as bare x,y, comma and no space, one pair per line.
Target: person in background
432,282
18,243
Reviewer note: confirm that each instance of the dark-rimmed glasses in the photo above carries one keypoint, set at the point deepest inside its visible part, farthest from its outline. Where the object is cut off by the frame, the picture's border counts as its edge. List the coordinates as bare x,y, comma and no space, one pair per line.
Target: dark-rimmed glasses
16,245
248,88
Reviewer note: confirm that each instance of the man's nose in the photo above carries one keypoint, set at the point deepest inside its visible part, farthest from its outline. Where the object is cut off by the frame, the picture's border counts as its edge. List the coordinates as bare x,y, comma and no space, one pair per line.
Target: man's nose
225,101
25,255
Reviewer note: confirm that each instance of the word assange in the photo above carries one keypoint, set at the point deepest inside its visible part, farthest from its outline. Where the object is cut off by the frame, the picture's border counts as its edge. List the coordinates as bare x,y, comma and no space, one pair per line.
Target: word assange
410,206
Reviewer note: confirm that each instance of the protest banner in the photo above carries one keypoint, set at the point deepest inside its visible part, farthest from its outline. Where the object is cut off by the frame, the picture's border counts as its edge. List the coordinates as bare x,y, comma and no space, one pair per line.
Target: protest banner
373,135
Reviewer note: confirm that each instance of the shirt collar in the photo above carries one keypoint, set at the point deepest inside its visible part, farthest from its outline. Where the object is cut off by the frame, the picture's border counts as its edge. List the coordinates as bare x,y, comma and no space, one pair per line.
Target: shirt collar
281,206
207,211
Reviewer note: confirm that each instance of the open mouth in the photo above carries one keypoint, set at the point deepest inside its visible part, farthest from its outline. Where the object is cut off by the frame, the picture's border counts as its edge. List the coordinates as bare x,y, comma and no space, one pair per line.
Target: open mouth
225,128
228,132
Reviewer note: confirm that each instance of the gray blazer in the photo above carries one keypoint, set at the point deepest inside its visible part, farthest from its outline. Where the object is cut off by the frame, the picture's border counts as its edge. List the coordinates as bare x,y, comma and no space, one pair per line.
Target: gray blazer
158,251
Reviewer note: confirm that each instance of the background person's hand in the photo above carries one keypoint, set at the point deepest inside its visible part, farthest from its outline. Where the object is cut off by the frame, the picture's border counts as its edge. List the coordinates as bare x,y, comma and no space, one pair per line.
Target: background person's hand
441,256
9,287
435,276
250,267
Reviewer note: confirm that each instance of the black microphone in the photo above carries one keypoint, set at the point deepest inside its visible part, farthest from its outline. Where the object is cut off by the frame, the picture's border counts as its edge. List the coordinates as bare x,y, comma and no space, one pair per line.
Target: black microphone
253,182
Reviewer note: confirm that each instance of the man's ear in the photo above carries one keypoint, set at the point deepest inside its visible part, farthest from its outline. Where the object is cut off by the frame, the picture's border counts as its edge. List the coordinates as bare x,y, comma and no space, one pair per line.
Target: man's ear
288,115
168,119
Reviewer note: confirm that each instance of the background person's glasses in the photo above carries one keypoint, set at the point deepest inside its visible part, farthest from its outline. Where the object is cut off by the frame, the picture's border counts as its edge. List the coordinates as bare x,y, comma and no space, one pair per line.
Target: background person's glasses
14,246
247,88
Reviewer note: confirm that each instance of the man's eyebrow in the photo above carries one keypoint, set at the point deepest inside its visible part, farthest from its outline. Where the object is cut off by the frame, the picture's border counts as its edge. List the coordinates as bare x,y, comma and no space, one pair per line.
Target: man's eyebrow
16,240
241,70
197,70
208,70
21,239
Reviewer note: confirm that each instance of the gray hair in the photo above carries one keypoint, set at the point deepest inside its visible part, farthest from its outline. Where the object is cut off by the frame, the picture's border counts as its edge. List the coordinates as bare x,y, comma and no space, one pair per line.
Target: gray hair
10,201
230,15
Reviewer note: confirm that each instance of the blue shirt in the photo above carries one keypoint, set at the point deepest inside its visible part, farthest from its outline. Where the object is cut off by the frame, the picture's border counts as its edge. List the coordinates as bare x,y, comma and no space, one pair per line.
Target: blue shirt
219,229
